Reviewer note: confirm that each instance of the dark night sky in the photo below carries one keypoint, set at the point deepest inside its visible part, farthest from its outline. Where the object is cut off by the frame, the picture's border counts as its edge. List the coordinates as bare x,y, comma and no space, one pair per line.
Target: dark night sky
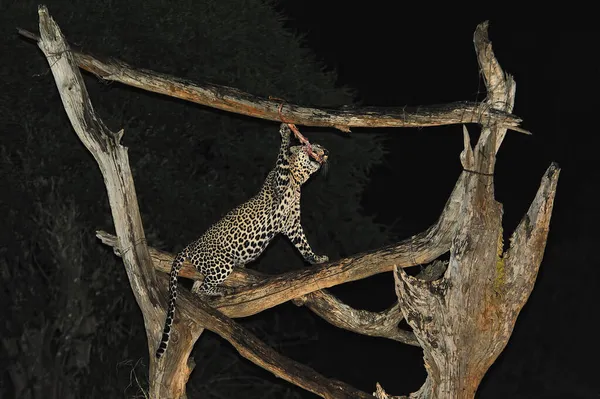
394,58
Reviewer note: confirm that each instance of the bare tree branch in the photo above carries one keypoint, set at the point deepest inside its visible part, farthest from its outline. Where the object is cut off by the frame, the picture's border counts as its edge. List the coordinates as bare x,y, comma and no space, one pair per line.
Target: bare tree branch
328,307
527,244
501,87
375,324
381,394
234,100
109,154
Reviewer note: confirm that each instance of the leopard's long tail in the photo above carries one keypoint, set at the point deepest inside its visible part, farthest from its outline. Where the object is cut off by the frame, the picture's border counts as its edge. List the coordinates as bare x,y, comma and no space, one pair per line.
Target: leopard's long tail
175,267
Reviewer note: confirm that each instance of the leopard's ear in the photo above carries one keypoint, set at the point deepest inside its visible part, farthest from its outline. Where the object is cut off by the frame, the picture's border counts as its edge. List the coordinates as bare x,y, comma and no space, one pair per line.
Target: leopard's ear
295,149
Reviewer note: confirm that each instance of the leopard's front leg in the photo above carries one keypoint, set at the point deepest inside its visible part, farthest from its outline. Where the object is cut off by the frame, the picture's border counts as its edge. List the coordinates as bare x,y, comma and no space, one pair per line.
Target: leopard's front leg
295,233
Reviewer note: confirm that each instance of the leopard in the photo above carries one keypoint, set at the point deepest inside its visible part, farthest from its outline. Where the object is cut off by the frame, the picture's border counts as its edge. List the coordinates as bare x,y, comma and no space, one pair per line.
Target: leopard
243,234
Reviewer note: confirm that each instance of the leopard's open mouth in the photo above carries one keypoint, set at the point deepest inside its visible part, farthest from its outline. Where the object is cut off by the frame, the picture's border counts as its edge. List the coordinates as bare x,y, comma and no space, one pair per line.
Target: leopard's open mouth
319,154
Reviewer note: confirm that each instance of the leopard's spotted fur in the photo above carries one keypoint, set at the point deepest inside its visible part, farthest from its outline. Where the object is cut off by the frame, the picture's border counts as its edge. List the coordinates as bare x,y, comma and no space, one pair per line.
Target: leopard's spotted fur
244,233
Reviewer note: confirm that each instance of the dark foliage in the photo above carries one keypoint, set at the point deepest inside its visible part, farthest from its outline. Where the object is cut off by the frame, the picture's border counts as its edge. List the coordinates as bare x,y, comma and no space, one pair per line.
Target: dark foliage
72,327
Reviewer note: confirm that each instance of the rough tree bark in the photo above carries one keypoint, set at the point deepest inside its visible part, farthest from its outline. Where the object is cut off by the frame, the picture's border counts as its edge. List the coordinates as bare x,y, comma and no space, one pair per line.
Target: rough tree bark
462,320
275,109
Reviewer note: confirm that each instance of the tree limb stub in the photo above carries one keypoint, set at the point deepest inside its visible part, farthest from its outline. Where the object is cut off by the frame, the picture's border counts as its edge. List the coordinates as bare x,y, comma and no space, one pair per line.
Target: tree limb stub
528,242
501,87
234,100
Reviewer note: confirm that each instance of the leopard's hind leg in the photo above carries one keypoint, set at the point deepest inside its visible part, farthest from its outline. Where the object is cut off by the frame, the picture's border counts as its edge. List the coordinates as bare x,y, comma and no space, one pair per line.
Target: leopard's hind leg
210,285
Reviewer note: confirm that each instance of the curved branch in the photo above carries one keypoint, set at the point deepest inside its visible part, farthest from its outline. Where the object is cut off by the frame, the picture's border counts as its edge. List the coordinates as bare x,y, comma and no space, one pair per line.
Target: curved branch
234,100
375,324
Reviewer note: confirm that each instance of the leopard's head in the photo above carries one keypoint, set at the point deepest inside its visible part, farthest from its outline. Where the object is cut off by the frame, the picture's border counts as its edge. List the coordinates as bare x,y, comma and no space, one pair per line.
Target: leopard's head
302,165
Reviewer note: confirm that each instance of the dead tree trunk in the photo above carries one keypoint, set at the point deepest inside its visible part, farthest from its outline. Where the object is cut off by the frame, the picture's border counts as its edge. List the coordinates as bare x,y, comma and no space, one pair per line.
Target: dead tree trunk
462,320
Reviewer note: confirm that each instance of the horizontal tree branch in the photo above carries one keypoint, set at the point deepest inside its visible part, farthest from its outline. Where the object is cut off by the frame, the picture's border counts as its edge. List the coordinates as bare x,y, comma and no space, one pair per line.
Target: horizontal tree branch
234,100
325,305
375,324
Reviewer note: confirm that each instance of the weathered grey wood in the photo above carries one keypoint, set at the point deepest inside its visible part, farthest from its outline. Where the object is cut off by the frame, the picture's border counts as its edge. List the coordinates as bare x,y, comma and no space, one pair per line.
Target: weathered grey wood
464,320
169,377
375,324
234,100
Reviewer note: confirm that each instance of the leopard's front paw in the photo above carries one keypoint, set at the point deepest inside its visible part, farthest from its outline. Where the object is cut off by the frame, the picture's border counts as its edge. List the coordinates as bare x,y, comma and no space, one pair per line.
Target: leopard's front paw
320,259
